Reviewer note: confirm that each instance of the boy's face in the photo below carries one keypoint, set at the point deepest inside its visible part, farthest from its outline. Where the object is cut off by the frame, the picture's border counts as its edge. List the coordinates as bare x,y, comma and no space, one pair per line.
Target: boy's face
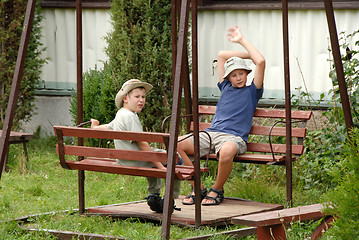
238,78
135,100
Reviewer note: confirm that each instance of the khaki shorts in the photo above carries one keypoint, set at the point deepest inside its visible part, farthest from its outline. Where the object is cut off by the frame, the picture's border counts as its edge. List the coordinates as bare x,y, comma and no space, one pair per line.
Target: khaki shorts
218,139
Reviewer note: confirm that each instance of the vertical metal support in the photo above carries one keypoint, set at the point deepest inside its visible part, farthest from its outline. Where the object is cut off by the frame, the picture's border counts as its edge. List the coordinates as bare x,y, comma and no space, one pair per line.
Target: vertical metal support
176,107
174,6
288,162
197,165
81,173
338,65
15,87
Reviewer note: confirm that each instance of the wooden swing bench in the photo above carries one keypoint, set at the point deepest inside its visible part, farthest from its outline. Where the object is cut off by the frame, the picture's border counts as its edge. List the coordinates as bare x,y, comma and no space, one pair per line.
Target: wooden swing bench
104,159
264,151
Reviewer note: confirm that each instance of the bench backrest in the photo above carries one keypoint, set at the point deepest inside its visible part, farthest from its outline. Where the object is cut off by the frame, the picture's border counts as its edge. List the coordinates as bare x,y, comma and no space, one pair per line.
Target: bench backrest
275,114
83,151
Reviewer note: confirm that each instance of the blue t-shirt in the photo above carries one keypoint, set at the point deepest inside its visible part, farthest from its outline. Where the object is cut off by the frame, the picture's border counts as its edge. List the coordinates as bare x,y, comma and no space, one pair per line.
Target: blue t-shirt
235,109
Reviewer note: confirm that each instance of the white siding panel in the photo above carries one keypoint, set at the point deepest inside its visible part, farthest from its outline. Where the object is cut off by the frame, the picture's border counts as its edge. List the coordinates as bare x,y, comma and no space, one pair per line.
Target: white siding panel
308,36
308,46
59,37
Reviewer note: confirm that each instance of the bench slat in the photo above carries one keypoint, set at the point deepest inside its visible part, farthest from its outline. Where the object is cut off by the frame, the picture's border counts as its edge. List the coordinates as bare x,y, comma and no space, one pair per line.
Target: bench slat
277,131
262,130
264,113
252,158
277,148
275,113
276,217
112,167
82,151
111,134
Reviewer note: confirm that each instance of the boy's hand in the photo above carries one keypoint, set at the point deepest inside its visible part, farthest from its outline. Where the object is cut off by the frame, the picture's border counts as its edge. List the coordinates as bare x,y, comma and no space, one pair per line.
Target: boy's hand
234,34
94,123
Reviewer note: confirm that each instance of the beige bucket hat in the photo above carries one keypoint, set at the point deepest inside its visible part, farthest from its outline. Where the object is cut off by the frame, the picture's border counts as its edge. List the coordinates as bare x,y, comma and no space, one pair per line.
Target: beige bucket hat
127,87
234,63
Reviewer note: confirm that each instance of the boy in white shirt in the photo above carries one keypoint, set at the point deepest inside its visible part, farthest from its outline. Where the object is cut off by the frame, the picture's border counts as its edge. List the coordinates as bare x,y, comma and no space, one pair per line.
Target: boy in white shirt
130,100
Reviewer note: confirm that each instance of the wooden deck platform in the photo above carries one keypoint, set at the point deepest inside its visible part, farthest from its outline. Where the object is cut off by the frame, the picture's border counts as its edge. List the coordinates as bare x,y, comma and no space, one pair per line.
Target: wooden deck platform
211,215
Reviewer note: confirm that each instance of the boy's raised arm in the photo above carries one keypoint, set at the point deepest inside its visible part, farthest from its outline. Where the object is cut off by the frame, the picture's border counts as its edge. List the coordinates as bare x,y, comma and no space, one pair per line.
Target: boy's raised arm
235,35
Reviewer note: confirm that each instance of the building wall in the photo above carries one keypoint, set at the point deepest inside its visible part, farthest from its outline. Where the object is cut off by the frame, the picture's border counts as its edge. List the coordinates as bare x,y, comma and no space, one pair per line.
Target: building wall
59,74
308,39
308,46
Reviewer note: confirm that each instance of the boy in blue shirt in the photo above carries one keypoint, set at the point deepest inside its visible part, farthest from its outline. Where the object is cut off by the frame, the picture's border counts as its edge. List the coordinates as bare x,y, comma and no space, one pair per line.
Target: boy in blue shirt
233,118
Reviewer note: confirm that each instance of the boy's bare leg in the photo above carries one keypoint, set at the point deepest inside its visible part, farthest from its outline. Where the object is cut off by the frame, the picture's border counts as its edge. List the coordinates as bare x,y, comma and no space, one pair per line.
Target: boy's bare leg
184,148
225,166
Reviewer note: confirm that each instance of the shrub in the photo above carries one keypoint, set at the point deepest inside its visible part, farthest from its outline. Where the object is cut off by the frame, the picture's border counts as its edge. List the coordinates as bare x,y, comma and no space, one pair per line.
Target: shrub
344,198
351,71
140,47
325,146
12,13
98,97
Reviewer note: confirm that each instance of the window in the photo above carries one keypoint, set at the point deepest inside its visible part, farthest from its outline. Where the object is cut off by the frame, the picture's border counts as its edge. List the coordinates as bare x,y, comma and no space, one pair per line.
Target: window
98,4
273,4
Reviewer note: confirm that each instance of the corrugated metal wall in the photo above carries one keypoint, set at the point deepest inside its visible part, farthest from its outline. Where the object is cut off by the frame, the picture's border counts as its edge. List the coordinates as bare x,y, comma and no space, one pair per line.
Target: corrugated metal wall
309,42
59,33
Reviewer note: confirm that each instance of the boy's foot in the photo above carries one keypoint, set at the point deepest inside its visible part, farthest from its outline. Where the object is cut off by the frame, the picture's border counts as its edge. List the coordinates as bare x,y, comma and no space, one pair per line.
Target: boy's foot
156,203
189,199
214,197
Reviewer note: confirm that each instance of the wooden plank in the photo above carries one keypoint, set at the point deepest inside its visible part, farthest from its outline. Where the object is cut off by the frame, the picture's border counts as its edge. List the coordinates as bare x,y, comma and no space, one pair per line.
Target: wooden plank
263,113
206,109
274,113
148,156
67,235
111,134
277,217
237,233
18,137
322,228
277,131
252,158
211,215
262,130
277,148
98,165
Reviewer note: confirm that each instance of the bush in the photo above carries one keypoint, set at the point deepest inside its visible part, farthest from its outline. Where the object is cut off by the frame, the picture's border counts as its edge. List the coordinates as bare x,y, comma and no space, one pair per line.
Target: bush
98,94
344,198
140,47
12,13
351,72
325,146
98,98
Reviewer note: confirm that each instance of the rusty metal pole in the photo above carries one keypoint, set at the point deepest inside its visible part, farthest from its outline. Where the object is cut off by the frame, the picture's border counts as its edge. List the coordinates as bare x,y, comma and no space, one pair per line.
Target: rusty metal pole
81,173
338,65
197,165
16,82
288,106
176,108
176,5
174,35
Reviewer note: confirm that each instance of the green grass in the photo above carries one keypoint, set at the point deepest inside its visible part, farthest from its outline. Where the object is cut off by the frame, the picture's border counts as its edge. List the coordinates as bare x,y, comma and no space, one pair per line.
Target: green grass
41,186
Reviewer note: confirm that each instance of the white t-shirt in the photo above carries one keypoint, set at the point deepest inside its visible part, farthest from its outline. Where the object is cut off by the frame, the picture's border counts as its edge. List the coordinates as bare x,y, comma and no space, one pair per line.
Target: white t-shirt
126,120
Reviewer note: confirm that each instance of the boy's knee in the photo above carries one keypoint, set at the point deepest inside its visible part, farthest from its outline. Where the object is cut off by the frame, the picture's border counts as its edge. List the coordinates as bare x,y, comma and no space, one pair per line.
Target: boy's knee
185,146
228,151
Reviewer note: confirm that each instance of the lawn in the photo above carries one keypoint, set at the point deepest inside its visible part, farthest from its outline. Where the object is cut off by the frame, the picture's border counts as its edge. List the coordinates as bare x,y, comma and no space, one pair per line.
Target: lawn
42,186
